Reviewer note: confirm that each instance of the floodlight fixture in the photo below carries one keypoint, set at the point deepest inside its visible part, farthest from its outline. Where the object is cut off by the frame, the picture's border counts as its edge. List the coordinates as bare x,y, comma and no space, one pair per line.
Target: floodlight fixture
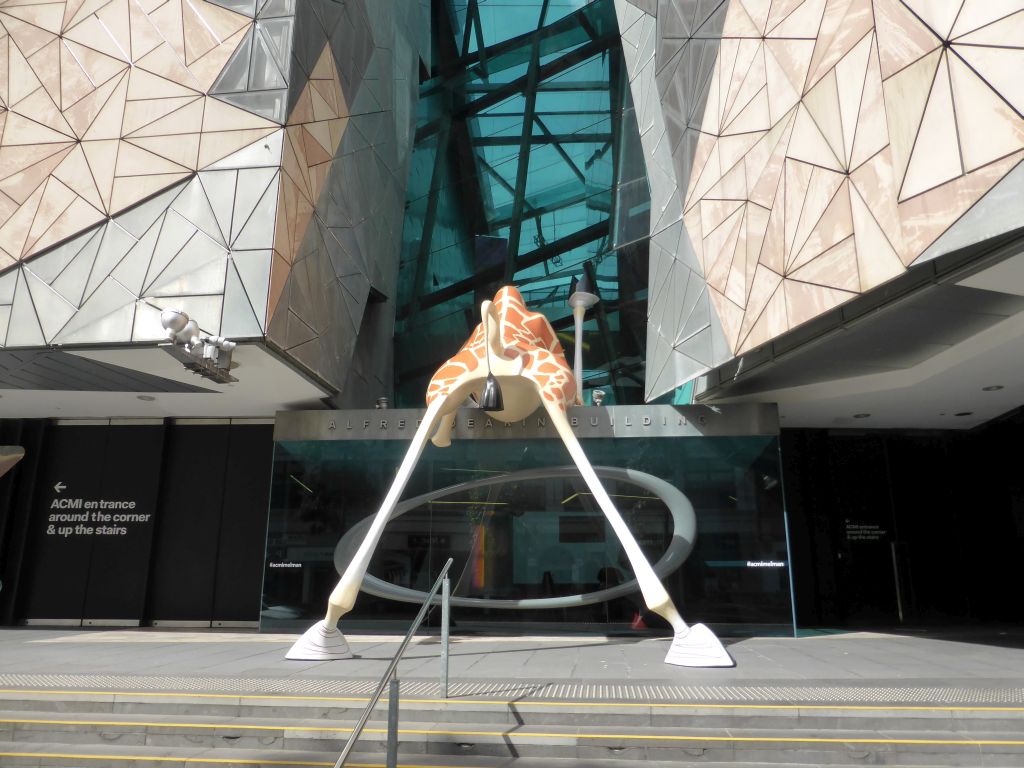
202,353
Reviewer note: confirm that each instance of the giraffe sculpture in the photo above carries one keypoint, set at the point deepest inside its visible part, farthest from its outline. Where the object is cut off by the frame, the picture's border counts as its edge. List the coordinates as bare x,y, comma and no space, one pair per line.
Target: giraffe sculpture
522,351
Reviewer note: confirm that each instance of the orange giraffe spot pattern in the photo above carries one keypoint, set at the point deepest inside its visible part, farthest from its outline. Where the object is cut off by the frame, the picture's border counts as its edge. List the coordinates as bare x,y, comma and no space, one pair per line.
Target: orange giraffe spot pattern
524,333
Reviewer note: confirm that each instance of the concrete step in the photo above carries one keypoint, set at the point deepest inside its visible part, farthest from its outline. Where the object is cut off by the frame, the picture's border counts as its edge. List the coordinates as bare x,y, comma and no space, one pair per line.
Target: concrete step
36,755
66,733
16,754
955,719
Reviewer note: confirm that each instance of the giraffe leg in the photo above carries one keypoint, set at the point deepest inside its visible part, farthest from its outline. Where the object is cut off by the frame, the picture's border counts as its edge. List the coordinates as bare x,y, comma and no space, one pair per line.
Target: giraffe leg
694,646
324,640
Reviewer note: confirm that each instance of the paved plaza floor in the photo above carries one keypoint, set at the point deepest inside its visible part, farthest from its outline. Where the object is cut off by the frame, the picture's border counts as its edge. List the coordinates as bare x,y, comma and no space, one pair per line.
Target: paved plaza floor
936,667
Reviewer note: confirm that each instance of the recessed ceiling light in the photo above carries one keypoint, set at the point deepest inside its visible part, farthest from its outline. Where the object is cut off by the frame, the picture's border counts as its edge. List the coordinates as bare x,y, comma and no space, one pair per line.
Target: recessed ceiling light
146,398
964,413
993,388
861,415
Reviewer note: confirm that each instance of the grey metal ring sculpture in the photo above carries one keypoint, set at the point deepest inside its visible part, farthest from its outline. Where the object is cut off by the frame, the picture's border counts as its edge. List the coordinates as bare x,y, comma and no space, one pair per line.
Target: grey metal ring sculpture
684,532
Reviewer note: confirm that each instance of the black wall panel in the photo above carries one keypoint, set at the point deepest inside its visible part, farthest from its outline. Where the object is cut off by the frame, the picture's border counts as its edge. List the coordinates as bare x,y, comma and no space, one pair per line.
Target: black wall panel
243,533
60,558
948,512
92,521
17,491
119,568
188,548
184,565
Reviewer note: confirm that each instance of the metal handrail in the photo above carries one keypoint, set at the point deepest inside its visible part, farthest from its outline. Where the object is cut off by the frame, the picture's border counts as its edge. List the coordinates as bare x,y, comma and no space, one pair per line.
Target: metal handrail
386,677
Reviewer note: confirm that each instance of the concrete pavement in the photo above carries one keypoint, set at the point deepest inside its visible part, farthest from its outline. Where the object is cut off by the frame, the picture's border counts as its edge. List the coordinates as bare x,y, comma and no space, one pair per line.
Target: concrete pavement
950,667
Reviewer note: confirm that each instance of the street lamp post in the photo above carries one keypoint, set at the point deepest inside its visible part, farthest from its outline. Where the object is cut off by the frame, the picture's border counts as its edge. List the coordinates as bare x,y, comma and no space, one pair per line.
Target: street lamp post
581,298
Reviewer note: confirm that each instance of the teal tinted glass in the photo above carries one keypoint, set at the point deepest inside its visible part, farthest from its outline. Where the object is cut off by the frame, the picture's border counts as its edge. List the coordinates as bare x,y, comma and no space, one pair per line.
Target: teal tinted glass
516,535
526,170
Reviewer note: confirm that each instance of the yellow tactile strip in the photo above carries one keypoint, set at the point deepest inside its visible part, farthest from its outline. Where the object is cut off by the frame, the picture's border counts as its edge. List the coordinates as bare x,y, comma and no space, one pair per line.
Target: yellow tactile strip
517,702
497,689
552,733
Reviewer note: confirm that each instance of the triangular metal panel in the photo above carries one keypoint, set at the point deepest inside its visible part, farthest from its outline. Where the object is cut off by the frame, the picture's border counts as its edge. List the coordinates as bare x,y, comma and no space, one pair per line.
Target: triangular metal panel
70,283
52,309
112,248
251,188
131,272
140,218
24,330
264,153
239,316
244,7
193,206
107,316
8,282
254,272
5,322
219,187
196,269
49,265
259,230
997,212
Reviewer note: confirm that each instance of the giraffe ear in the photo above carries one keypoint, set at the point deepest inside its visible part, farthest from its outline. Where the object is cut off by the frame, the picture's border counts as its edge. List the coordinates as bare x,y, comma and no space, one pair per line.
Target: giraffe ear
488,313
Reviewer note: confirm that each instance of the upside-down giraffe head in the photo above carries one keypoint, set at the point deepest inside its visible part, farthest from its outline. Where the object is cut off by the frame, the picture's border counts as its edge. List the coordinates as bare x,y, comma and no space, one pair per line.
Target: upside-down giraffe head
509,332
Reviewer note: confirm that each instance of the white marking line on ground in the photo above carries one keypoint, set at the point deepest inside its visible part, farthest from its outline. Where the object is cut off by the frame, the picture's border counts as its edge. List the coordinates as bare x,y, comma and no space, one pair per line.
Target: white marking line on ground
143,636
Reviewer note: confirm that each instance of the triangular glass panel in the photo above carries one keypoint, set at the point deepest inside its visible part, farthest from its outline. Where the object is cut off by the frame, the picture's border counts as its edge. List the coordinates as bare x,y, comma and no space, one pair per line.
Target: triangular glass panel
113,246
106,317
239,320
193,205
220,193
196,269
264,153
254,271
244,7
252,184
259,230
140,218
131,272
234,78
24,330
52,309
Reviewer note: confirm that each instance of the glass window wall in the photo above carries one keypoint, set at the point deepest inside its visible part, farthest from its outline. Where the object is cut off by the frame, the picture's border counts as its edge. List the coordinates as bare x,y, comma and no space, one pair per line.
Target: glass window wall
521,525
526,170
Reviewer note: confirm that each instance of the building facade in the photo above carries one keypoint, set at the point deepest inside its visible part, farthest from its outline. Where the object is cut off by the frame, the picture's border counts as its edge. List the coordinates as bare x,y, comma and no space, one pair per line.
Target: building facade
812,205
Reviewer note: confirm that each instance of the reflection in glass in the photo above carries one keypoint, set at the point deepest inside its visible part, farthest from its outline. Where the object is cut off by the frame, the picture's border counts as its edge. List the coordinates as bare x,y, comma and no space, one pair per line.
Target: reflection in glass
526,539
526,170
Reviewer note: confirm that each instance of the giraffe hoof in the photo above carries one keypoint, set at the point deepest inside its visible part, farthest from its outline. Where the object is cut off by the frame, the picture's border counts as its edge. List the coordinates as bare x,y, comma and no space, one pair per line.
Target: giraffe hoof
698,647
320,643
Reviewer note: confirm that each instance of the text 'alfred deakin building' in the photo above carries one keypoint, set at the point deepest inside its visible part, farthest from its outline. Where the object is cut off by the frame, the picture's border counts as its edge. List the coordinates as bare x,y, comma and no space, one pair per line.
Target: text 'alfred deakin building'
801,221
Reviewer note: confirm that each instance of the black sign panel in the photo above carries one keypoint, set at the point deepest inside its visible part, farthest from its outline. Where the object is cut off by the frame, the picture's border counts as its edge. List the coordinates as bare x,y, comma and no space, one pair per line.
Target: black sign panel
94,523
123,526
60,557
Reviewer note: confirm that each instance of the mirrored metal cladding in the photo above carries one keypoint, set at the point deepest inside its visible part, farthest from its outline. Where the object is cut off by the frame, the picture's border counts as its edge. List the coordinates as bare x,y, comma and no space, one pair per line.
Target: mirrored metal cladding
320,175
802,153
187,155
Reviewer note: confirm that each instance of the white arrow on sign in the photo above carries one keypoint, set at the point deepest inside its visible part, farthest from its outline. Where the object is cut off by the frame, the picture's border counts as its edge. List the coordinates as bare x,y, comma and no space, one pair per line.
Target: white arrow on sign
59,486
